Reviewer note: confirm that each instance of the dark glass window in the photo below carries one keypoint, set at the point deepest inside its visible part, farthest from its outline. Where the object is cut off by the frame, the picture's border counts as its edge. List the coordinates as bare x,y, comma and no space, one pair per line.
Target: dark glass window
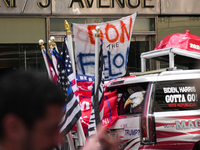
21,56
176,95
134,61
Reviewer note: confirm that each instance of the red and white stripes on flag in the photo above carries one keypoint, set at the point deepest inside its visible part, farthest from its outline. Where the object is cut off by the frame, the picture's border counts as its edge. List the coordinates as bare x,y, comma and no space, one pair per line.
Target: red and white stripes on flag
97,99
70,73
72,110
66,80
50,67
54,60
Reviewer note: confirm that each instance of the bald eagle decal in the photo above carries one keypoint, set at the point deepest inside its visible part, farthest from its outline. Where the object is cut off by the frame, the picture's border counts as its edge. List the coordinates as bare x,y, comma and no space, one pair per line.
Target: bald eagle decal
135,100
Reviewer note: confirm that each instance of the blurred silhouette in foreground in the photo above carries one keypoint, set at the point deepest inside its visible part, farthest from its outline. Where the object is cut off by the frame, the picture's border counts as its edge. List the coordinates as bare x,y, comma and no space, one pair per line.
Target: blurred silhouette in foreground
102,141
31,108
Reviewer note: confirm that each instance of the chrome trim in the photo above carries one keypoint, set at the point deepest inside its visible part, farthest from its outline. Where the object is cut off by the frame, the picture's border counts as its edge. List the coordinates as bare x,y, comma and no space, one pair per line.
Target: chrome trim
163,76
171,52
139,79
149,113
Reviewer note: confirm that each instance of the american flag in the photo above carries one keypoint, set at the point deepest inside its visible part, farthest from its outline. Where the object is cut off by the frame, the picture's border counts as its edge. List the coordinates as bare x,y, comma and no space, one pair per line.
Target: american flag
70,73
54,60
52,71
97,98
72,110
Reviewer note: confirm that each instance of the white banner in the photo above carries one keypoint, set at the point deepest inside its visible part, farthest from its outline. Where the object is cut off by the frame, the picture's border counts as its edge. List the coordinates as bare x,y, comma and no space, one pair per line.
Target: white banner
116,36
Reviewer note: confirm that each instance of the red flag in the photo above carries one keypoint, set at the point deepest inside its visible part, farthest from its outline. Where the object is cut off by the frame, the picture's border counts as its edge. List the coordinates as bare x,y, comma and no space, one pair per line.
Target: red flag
110,114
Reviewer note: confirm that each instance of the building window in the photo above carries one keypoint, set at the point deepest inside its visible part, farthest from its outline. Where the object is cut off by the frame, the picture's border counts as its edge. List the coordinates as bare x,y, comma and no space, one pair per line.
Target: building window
21,56
19,48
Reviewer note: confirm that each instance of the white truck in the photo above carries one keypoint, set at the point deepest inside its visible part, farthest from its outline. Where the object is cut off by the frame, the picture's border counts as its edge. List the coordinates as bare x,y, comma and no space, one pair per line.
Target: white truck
159,110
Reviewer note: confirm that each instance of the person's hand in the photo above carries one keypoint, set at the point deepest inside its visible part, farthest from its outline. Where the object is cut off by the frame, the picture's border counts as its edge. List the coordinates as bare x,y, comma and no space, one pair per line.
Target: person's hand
101,141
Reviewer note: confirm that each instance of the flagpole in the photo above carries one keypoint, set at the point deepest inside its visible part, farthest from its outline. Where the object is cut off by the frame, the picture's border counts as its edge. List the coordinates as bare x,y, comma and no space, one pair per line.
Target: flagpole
41,42
70,45
53,57
97,46
98,93
70,141
80,132
52,39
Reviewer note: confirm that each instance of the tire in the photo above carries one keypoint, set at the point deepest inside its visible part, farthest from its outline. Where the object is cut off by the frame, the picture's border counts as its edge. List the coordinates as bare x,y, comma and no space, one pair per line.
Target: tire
196,146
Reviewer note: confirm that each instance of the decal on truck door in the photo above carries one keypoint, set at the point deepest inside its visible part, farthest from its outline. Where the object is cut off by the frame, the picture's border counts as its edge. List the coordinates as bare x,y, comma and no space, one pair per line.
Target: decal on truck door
176,95
180,96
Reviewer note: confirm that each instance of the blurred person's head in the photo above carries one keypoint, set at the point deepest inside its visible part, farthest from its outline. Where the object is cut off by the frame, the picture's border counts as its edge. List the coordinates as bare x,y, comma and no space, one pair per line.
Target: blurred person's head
30,112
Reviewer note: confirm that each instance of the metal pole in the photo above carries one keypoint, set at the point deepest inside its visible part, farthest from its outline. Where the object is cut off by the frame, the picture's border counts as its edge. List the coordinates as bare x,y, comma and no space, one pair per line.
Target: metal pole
143,64
71,52
70,141
41,42
171,59
97,47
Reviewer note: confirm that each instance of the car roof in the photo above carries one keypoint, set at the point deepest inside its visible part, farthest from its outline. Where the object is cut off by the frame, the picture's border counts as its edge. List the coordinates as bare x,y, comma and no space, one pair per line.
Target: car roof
163,76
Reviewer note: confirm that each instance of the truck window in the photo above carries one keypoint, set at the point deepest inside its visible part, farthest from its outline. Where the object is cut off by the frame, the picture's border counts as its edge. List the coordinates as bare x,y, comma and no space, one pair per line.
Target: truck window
176,95
131,98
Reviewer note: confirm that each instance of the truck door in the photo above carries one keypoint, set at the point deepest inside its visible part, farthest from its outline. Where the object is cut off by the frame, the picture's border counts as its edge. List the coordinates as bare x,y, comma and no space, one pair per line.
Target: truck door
130,105
177,115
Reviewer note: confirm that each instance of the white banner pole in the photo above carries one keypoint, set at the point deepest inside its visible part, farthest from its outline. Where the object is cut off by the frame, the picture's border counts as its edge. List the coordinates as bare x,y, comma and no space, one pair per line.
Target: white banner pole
70,141
52,39
54,60
71,52
97,47
41,42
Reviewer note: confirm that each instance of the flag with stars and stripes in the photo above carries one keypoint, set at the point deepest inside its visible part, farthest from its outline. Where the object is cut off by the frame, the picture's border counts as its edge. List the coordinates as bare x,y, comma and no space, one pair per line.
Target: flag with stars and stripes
72,110
54,60
70,74
97,99
52,72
